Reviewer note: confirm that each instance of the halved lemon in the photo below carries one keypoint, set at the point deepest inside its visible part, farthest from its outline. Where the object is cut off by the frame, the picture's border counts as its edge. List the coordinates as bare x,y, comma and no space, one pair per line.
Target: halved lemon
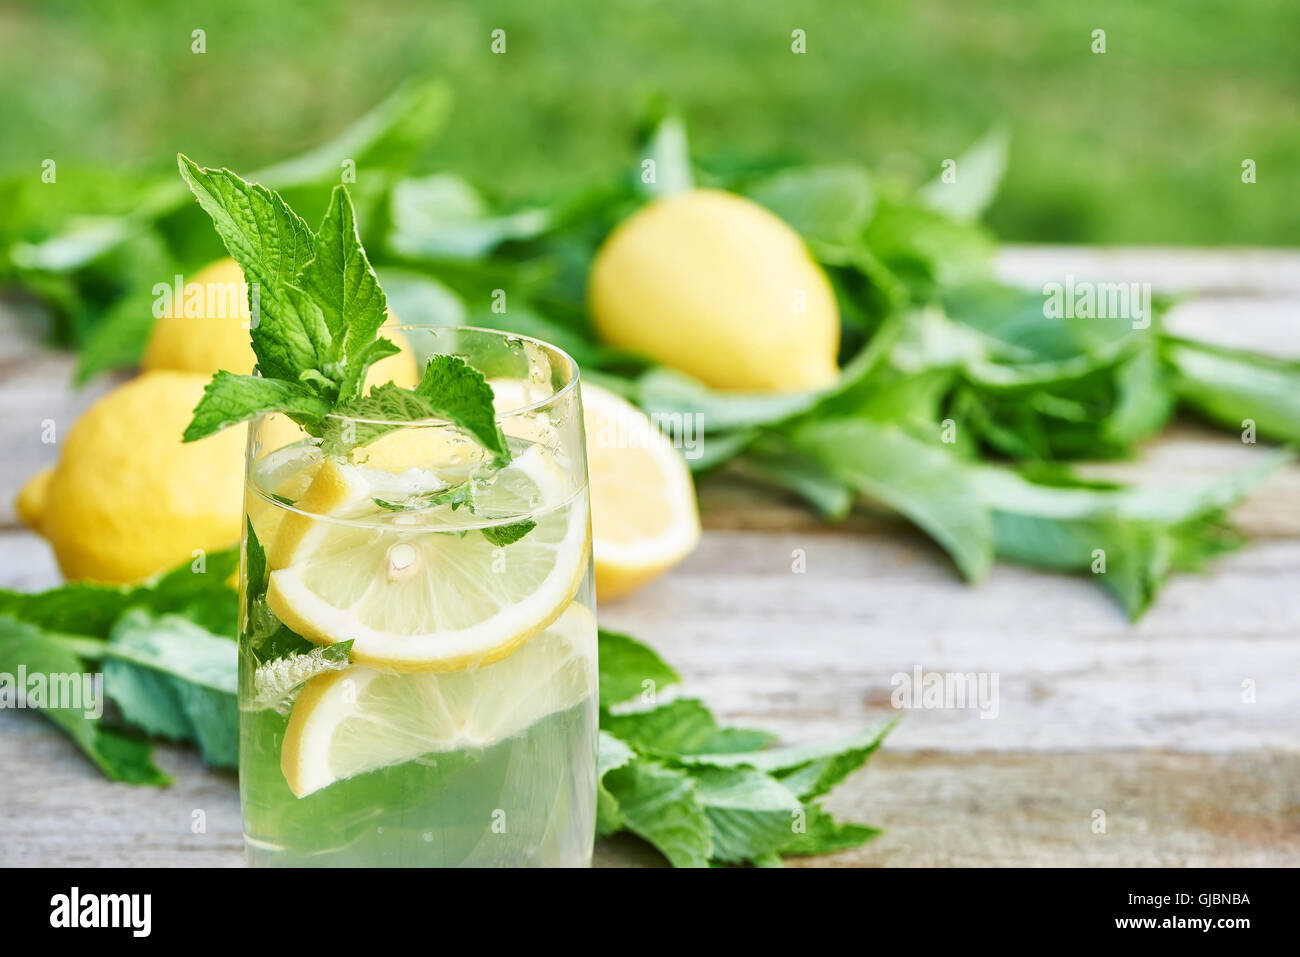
643,513
428,591
345,723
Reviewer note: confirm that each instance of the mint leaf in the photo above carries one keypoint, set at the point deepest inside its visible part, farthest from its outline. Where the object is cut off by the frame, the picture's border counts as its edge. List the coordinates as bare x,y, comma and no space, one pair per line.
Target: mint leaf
915,478
442,217
611,753
450,390
176,680
229,399
750,814
821,834
255,568
364,419
501,535
977,174
630,670
39,652
683,726
659,804
456,495
272,244
344,286
810,770
458,393
1144,532
1230,386
85,608
354,373
824,204
666,144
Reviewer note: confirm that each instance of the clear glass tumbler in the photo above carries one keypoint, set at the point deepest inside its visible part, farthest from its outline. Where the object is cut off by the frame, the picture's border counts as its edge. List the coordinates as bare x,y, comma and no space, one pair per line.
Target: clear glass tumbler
417,680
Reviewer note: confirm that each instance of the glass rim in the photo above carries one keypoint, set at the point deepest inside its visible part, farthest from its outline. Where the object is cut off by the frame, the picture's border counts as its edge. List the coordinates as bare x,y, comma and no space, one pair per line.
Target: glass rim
501,416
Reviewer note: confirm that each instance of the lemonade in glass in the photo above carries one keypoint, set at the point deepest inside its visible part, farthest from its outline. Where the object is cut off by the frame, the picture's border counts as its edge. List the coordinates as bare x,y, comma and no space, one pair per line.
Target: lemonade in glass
417,640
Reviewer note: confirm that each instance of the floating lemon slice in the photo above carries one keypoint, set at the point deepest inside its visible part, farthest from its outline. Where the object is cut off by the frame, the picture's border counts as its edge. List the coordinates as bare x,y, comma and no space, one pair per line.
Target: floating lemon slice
348,722
422,596
643,513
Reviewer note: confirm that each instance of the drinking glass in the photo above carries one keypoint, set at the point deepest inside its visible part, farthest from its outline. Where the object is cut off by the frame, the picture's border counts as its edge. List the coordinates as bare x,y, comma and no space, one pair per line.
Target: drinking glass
417,642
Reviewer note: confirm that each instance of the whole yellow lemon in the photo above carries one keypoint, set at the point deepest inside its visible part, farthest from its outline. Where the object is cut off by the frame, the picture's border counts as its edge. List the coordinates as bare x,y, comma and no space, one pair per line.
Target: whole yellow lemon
202,329
716,286
127,497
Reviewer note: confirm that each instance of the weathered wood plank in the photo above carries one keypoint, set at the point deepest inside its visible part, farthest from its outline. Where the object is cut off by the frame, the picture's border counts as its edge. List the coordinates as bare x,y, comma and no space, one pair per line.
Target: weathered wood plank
1035,810
1162,809
814,655
1240,271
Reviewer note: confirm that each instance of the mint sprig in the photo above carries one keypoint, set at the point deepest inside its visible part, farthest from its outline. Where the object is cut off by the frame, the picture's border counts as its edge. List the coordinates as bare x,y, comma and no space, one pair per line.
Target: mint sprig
318,308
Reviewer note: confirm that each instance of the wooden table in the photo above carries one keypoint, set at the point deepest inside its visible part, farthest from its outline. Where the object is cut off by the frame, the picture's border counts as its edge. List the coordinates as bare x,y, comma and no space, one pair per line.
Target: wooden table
1145,723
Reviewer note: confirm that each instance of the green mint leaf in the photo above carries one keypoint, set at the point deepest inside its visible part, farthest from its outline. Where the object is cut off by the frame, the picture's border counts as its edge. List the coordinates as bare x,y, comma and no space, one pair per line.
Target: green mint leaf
750,814
200,593
659,804
450,390
683,726
362,420
443,217
80,608
502,535
809,770
456,495
1145,532
276,679
978,173
354,375
342,282
1229,386
822,834
458,393
667,145
39,652
917,479
174,679
272,245
229,399
85,608
630,670
611,753
824,204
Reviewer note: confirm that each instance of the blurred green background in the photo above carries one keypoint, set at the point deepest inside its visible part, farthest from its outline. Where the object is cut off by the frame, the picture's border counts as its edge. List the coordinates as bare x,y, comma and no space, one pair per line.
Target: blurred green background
1142,144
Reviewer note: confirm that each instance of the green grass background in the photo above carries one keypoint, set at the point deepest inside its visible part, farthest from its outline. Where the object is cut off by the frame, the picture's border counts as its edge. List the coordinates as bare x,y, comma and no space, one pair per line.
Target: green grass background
1142,144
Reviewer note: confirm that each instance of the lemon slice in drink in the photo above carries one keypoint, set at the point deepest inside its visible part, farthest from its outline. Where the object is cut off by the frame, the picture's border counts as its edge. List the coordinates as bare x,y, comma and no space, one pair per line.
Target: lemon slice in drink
415,595
345,723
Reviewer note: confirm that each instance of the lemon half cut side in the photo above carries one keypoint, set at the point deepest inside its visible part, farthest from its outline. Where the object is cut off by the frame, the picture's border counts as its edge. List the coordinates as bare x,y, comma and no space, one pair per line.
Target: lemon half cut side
644,516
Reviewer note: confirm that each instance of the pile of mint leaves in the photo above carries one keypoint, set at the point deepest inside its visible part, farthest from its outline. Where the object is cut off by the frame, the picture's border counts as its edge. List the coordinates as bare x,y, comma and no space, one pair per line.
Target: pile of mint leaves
700,793
960,407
